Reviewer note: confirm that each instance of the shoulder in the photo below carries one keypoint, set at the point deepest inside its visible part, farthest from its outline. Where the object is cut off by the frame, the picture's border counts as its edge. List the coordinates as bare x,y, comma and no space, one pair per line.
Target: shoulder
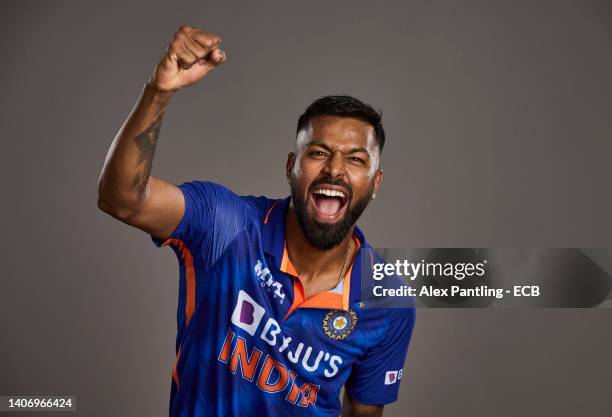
217,197
386,293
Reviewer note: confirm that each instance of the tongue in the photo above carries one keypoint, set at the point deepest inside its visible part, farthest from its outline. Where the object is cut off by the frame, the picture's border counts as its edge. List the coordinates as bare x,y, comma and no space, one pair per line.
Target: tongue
328,205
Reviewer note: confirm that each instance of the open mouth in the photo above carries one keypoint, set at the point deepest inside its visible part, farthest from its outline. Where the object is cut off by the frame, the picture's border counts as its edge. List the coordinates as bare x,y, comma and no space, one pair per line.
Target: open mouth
329,202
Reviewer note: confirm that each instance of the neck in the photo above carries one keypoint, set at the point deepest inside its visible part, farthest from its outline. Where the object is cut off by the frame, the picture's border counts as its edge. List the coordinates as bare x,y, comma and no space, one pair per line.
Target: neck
312,263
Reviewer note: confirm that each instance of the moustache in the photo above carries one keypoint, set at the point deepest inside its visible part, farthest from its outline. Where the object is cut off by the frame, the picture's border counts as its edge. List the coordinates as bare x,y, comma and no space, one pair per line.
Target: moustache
331,181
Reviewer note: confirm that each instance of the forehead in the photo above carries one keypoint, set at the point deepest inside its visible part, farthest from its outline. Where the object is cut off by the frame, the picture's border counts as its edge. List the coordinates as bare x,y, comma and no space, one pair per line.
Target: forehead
338,132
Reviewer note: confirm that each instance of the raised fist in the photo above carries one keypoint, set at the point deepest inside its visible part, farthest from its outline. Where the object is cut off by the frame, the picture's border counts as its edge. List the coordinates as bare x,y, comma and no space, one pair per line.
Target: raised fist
191,55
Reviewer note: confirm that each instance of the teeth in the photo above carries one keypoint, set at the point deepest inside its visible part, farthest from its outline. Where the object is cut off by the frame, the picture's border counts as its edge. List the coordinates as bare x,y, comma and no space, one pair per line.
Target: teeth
330,193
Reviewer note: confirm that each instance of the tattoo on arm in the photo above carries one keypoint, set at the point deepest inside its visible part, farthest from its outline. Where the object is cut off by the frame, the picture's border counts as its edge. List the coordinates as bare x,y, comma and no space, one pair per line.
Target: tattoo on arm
146,141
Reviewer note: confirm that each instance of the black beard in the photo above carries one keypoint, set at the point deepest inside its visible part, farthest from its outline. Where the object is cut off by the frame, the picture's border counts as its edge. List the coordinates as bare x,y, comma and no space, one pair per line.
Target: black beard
325,236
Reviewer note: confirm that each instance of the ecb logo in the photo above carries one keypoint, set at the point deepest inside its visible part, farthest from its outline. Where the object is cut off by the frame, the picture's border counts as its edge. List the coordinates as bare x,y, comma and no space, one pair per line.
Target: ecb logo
338,324
391,377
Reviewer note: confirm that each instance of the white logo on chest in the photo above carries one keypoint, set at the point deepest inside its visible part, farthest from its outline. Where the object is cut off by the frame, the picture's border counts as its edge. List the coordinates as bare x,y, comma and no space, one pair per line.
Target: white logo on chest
267,280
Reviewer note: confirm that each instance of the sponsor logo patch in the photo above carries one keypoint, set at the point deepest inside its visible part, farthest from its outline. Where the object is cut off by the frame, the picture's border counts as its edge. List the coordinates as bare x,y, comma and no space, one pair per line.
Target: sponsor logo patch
268,282
247,314
250,316
391,377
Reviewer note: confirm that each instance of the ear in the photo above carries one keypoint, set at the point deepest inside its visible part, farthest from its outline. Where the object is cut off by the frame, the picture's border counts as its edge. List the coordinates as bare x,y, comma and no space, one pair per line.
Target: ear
378,176
290,164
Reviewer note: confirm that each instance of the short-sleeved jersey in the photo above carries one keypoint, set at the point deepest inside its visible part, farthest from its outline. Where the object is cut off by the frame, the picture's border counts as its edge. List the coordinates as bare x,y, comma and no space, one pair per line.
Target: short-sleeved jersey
248,341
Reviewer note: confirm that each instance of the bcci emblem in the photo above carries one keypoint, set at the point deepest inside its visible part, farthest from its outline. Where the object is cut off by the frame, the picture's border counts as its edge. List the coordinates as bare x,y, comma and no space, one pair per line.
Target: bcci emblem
339,323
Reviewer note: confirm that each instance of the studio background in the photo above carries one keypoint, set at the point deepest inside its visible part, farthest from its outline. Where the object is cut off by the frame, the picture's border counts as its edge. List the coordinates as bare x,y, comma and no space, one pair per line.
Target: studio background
498,119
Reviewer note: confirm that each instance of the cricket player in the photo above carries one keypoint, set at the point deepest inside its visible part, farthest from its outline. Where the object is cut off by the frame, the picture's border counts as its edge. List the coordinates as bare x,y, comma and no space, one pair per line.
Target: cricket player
270,316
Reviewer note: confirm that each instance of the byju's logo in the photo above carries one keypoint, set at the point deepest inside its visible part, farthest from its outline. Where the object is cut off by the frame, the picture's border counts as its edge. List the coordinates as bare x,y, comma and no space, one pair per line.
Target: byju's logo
247,314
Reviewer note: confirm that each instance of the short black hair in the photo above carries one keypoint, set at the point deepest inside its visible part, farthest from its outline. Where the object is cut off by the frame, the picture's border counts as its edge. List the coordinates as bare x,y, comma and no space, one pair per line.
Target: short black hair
345,106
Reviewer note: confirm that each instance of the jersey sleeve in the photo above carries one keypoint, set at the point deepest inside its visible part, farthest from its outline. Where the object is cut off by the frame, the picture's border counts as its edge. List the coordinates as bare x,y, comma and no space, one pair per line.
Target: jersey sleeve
213,217
375,377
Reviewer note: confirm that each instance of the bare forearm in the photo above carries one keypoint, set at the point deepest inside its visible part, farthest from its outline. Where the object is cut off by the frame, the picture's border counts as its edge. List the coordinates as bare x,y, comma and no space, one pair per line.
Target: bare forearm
351,408
126,189
128,164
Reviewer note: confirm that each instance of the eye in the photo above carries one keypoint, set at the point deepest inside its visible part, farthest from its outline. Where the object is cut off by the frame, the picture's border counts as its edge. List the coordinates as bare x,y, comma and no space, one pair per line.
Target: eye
317,154
356,160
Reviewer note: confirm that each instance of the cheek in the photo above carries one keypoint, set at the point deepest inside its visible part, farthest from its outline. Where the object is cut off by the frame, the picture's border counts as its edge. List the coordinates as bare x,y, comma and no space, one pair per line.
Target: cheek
306,171
300,177
302,166
362,185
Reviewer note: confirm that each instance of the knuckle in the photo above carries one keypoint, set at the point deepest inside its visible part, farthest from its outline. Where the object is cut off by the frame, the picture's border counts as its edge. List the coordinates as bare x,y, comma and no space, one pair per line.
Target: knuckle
192,45
184,28
211,41
174,46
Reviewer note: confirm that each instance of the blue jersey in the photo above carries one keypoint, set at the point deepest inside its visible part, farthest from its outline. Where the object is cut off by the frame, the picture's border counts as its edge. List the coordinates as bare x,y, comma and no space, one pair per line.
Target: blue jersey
248,340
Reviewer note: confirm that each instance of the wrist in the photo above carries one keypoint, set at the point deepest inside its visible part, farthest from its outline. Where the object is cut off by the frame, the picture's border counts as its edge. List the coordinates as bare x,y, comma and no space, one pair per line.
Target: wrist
157,93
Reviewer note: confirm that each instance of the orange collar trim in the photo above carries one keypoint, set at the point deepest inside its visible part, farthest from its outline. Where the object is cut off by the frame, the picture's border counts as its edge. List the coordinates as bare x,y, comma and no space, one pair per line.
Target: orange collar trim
327,299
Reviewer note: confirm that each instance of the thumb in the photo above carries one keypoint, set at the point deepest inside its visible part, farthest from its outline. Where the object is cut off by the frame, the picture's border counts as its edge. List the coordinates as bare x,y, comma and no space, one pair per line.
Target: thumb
214,59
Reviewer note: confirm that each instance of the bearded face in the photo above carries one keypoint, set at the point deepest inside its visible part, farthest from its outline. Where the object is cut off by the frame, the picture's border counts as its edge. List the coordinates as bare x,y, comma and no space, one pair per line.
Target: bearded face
324,235
333,177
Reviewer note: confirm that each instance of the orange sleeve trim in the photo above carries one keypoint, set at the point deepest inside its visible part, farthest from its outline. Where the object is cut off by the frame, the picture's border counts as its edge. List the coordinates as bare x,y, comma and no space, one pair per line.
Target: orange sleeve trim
190,277
166,242
190,283
175,376
270,211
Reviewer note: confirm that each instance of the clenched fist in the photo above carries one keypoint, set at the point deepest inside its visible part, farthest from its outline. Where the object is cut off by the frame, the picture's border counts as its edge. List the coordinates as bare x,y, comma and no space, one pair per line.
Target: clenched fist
191,55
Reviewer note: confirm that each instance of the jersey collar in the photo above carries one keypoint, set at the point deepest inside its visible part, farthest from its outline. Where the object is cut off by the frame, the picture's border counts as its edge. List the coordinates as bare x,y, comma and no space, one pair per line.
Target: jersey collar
273,239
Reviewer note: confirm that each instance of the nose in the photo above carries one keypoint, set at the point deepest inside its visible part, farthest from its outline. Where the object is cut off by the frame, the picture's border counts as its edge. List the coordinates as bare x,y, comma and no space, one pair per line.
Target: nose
335,167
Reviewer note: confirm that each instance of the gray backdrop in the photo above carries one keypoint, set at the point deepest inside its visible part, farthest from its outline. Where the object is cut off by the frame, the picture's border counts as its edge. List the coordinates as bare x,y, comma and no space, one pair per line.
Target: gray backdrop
498,117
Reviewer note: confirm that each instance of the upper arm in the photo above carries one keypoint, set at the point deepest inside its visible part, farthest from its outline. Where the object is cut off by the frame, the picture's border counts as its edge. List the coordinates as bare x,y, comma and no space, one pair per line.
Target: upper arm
351,408
212,217
202,216
160,211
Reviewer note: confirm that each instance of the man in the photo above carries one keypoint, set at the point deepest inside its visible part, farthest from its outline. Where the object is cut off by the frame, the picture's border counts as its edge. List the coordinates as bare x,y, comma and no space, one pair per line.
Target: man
270,318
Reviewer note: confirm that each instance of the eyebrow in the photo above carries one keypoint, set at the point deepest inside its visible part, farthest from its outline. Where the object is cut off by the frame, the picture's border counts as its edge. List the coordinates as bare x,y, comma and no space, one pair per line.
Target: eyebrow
324,146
